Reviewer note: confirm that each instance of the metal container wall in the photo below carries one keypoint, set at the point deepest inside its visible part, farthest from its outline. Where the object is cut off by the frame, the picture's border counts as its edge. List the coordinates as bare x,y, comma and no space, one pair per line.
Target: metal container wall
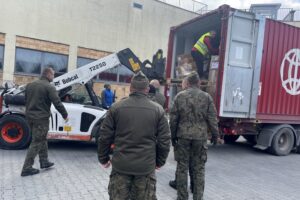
279,96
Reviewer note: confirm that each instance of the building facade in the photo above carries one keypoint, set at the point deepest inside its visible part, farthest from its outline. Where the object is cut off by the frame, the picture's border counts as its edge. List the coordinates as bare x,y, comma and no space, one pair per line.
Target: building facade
68,34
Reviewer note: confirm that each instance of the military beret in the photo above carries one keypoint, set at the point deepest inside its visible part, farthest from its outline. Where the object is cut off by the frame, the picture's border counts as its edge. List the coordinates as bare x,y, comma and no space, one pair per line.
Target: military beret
193,78
139,81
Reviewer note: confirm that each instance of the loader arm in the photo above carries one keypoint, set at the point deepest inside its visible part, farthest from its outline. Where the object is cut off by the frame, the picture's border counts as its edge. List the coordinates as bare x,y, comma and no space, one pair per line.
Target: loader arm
85,73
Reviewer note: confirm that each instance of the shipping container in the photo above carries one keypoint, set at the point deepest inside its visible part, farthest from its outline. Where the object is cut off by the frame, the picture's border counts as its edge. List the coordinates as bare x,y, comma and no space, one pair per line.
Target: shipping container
256,81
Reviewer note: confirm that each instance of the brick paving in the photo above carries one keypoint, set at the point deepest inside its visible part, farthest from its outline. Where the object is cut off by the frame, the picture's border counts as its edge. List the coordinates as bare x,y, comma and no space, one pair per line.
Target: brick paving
233,172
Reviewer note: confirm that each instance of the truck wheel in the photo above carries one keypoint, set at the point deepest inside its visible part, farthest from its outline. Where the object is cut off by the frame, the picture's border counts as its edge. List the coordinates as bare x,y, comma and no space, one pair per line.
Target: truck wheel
229,139
14,132
298,149
251,139
283,142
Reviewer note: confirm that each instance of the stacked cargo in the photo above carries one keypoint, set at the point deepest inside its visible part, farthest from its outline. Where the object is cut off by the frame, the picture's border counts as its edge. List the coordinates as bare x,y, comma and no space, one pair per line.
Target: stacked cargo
185,65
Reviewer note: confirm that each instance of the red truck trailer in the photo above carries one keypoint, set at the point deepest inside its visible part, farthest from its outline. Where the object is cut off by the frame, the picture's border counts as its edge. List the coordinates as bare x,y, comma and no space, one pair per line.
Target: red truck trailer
256,81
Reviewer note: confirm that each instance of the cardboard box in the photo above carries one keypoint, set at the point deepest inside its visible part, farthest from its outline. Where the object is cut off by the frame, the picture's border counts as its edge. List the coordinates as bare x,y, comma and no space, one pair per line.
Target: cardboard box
185,65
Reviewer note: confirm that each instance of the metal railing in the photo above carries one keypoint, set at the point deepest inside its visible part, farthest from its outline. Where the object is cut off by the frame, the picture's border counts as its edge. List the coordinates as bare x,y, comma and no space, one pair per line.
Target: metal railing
288,14
283,14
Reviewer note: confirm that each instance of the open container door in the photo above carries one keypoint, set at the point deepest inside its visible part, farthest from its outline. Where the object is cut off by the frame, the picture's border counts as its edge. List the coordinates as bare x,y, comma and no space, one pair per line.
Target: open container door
239,65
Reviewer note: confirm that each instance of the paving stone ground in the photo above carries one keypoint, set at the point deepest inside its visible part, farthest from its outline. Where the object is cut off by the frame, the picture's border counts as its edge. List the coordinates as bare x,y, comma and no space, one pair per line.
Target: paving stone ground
233,172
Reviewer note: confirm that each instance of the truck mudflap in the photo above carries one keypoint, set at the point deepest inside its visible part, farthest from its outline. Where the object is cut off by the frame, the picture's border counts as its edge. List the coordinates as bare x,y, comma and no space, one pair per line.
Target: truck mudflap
265,138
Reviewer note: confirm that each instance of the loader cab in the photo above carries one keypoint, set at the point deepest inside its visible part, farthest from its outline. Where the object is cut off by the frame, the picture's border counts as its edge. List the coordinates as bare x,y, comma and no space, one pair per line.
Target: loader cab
80,94
84,112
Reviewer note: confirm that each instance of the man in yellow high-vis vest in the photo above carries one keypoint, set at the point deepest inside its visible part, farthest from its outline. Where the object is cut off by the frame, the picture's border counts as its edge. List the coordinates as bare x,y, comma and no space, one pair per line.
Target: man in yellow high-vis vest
203,49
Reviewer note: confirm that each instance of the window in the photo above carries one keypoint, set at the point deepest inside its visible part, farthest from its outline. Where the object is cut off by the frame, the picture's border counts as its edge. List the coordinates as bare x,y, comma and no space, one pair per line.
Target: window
137,5
83,61
109,75
1,56
33,61
117,74
58,61
80,95
125,74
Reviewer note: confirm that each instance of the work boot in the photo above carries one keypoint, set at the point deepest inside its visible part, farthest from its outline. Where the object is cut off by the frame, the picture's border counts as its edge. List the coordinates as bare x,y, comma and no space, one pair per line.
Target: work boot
173,185
29,172
46,164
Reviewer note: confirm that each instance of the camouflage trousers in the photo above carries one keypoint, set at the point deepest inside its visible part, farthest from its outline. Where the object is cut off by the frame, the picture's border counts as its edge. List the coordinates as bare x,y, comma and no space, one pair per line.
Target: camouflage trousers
190,167
132,187
38,145
196,150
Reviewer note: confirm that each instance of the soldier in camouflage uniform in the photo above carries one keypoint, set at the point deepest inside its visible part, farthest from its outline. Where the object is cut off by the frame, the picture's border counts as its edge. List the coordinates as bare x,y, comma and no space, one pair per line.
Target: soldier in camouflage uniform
39,95
191,115
160,98
140,132
173,183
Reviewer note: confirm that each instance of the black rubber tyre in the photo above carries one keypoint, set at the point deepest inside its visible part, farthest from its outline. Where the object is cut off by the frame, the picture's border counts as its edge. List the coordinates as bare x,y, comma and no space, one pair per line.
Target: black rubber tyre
230,139
251,139
282,142
14,132
298,149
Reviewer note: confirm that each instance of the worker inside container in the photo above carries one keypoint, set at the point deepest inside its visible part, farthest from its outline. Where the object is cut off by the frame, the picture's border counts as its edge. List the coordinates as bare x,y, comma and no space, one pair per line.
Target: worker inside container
202,51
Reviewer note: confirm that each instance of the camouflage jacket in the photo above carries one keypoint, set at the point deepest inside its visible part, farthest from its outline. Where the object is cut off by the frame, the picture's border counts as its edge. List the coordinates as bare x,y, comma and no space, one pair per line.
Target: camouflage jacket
140,132
39,95
192,113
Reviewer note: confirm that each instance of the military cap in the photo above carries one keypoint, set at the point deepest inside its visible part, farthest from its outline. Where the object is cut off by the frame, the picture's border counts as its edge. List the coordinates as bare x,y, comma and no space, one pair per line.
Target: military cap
139,81
193,78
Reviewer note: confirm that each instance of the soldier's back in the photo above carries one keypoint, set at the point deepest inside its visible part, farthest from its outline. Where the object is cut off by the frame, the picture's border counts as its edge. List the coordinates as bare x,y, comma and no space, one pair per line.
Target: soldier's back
37,100
192,105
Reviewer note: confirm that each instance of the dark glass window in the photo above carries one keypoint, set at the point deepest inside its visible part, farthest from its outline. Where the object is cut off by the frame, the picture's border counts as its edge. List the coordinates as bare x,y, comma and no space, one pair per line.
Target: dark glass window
58,61
109,75
28,61
124,74
83,61
1,56
32,61
137,5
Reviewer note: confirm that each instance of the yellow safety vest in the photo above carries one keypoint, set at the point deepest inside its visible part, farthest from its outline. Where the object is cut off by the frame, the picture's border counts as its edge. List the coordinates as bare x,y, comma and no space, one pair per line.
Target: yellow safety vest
201,46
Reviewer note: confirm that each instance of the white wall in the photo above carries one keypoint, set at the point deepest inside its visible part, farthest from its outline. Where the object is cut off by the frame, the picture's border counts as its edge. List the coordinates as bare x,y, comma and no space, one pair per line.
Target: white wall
108,25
